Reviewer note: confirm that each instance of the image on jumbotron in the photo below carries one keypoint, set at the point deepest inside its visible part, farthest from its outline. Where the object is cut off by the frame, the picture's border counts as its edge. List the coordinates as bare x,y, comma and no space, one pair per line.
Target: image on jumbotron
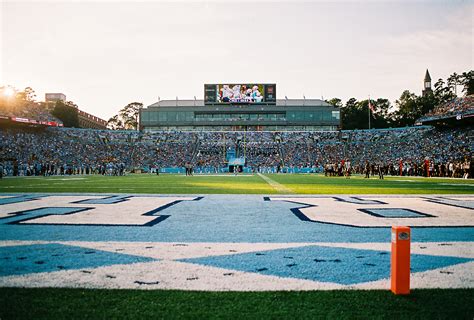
150,168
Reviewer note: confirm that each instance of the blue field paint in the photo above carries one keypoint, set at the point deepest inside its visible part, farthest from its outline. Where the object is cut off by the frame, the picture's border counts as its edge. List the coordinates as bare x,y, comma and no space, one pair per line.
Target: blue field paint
24,216
454,202
18,199
325,264
20,260
105,200
225,218
395,213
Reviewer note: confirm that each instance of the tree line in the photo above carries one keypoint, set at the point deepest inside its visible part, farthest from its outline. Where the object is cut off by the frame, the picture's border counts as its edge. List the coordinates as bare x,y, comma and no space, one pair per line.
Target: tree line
407,109
354,113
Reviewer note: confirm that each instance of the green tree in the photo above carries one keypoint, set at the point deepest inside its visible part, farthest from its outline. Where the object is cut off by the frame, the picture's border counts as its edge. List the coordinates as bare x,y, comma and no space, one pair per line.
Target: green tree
115,123
129,115
467,81
336,102
408,110
26,96
453,81
67,112
352,116
443,92
382,115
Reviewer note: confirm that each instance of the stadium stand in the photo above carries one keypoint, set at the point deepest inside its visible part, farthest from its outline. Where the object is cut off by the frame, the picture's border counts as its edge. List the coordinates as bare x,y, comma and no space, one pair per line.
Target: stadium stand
57,151
33,111
458,108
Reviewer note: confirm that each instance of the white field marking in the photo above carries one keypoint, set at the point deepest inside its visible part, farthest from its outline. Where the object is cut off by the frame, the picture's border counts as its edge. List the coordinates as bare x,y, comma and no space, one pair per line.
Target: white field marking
457,198
327,209
188,250
121,213
168,274
182,250
10,243
455,276
52,201
169,250
275,185
453,249
188,276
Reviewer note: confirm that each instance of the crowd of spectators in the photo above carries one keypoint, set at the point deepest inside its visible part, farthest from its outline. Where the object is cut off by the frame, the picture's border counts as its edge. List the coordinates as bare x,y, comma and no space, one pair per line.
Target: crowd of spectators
403,151
32,111
456,107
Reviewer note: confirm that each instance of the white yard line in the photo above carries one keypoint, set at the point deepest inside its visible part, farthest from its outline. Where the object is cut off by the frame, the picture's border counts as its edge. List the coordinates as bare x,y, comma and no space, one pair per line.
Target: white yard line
275,185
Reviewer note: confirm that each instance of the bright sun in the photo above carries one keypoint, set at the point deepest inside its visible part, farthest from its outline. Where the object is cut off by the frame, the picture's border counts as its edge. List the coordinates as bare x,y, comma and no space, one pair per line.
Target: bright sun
8,91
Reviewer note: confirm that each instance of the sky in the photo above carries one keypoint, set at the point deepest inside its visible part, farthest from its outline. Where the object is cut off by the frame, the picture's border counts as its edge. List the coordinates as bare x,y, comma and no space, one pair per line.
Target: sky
106,54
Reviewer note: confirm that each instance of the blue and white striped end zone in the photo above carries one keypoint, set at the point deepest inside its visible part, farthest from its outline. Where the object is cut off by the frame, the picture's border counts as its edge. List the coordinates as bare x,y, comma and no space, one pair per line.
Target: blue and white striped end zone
231,242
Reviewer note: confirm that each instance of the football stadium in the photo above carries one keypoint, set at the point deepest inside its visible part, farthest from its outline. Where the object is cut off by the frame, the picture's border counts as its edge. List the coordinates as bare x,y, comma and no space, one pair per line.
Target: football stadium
237,202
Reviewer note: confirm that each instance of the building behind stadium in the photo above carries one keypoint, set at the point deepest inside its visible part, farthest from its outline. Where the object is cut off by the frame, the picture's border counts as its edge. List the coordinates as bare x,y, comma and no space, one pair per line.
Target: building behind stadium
86,120
240,107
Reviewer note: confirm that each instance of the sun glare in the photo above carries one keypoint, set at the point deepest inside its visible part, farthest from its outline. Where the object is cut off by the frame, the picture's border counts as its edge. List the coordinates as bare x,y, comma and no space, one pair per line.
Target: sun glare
8,91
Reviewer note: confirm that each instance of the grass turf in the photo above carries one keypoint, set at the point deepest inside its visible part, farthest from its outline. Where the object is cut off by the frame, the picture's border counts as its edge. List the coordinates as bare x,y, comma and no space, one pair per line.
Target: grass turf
242,184
19,303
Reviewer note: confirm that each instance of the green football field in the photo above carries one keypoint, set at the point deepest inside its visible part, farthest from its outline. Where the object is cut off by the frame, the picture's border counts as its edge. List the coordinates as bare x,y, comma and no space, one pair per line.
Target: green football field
59,303
240,184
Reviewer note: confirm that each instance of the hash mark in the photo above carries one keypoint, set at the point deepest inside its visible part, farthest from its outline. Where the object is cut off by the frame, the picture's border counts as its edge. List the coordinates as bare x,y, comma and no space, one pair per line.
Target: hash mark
195,278
262,269
447,272
148,283
369,264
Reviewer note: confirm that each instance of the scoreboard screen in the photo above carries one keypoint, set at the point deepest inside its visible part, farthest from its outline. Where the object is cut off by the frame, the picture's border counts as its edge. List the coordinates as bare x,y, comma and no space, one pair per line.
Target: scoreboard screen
248,93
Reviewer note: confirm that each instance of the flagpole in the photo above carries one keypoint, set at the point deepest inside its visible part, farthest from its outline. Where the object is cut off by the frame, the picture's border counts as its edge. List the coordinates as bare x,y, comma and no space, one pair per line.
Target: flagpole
368,107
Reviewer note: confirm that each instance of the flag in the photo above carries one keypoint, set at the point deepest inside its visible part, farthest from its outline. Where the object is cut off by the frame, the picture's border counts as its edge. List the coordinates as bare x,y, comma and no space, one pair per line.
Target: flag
371,107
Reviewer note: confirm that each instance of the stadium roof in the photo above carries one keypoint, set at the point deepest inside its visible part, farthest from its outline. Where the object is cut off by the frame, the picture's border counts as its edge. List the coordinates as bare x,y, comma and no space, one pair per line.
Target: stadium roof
279,102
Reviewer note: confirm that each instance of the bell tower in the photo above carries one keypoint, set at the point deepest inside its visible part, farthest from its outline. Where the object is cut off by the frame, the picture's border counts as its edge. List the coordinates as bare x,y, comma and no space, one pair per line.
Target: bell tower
427,85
